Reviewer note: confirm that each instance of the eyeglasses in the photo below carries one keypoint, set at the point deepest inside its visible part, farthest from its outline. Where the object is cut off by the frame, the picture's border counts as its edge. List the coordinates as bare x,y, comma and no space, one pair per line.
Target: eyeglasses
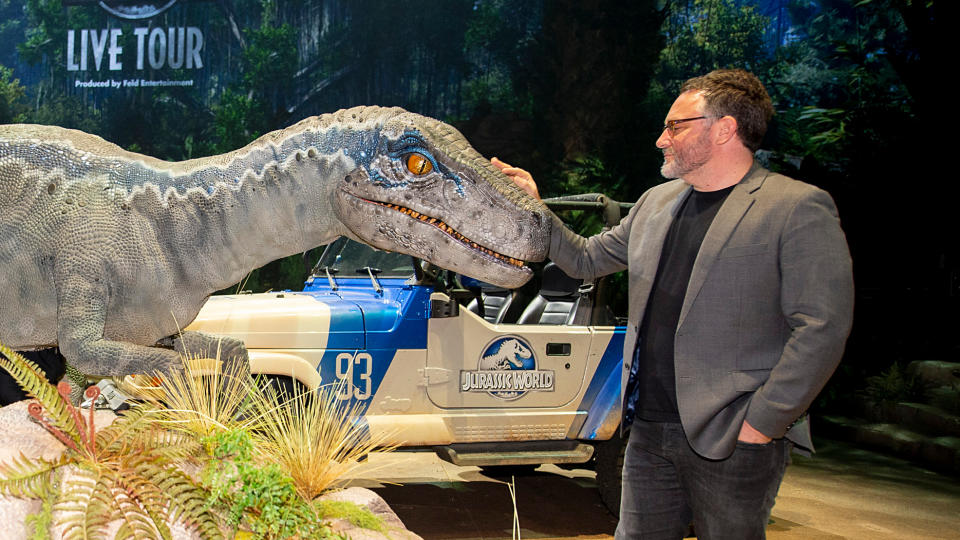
671,125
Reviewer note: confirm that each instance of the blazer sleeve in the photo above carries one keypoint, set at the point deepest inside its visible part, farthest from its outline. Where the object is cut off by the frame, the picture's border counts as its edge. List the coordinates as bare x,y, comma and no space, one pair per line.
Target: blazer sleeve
599,255
816,299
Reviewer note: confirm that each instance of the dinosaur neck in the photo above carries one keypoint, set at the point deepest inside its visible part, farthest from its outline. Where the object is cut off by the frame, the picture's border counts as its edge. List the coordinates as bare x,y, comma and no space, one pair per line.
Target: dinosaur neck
229,214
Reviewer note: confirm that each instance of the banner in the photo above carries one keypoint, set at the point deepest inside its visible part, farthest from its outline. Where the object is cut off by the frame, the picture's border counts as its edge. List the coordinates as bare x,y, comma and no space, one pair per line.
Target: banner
134,45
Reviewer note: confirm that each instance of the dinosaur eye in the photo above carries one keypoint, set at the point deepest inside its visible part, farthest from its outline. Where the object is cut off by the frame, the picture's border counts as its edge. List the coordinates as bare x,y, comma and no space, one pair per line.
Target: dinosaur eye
418,164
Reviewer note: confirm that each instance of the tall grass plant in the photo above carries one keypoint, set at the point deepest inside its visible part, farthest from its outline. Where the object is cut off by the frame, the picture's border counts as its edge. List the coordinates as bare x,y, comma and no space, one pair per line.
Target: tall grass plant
315,437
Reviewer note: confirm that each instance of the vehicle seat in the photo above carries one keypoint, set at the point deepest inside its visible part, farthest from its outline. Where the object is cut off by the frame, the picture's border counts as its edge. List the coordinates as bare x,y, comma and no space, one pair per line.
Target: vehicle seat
557,301
496,303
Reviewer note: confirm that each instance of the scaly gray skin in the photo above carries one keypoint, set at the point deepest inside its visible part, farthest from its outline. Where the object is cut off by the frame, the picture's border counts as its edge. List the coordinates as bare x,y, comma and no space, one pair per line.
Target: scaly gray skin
106,252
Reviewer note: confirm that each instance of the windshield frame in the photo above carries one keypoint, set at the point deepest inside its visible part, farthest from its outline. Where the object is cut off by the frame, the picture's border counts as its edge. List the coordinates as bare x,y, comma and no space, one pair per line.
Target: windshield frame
349,259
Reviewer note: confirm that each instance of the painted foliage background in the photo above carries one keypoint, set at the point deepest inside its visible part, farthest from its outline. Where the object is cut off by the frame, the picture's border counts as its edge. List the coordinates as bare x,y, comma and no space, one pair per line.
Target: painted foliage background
574,90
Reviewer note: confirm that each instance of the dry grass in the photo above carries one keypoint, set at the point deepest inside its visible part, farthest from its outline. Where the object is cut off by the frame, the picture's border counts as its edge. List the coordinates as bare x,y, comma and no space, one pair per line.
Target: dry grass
315,437
203,399
512,486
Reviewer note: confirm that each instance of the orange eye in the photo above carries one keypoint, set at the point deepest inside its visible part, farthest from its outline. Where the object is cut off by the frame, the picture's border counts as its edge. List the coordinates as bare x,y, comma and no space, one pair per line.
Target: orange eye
418,164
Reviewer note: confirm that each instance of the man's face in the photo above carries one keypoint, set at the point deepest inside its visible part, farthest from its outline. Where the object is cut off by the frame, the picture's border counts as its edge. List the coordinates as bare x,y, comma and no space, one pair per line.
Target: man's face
687,147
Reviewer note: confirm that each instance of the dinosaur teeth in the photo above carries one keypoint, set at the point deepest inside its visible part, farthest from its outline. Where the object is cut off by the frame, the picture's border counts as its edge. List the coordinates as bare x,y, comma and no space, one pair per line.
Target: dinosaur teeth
451,231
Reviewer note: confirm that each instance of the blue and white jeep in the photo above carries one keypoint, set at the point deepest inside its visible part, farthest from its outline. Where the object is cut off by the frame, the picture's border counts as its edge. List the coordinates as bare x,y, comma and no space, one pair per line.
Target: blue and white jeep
481,376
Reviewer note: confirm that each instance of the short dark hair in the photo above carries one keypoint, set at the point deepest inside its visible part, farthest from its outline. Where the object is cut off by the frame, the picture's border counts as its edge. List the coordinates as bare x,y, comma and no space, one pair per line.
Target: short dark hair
736,93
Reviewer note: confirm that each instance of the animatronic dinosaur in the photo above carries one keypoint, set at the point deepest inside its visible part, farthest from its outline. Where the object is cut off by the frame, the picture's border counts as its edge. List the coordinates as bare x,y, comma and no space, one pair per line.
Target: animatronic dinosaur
107,253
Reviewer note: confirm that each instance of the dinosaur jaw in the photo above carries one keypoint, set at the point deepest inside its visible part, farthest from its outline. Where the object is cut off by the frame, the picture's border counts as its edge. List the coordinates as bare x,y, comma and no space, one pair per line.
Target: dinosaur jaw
450,231
393,227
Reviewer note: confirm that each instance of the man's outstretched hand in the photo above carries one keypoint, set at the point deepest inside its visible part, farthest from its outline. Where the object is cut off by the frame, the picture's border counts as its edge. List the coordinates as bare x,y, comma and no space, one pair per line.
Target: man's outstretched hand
522,178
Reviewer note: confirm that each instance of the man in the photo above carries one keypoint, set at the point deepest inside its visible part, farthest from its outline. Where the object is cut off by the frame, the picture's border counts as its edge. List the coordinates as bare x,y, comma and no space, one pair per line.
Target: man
741,300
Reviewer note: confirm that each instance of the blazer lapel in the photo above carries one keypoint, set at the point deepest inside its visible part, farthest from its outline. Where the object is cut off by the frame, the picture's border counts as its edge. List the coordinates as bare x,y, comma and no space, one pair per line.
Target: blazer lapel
650,239
653,237
726,220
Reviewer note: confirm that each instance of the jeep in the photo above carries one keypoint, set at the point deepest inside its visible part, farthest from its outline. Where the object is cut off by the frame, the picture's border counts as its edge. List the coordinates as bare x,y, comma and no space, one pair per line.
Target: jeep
477,374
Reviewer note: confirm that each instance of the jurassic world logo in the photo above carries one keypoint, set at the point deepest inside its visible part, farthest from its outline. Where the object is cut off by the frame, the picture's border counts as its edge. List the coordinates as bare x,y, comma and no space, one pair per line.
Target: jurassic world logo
507,369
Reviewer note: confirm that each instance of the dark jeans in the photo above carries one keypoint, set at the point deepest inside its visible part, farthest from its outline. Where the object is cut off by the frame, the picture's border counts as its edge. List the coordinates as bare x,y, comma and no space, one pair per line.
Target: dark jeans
666,485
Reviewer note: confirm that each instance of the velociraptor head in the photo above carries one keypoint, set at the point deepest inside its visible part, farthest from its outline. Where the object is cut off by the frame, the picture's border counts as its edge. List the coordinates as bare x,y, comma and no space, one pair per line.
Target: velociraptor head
426,192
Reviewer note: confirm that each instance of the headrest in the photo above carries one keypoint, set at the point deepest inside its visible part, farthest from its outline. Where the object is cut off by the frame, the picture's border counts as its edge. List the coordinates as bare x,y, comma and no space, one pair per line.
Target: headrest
557,283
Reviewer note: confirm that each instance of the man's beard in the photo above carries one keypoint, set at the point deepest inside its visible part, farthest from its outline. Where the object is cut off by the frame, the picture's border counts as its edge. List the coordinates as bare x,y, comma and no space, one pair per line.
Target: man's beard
689,159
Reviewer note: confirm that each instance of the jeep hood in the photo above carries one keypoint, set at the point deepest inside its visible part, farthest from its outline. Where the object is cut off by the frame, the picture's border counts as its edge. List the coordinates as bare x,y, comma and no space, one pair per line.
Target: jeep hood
286,320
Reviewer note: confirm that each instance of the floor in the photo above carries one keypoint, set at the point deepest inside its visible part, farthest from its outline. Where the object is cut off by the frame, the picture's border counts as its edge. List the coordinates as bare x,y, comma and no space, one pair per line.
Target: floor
844,492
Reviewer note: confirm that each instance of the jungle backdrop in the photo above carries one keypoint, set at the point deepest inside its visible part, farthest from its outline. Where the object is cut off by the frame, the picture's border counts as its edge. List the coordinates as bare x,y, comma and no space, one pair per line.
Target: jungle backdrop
573,90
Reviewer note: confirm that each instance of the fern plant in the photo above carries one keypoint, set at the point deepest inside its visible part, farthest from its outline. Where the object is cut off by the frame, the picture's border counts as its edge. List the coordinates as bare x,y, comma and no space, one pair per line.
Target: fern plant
127,471
269,470
257,495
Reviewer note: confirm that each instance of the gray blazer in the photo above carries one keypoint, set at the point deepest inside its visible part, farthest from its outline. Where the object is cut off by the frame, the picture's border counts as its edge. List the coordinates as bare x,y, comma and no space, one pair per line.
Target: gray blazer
766,313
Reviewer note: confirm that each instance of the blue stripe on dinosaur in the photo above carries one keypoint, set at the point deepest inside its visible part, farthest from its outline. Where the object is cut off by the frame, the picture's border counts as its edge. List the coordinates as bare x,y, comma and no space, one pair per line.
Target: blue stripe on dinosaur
357,145
412,141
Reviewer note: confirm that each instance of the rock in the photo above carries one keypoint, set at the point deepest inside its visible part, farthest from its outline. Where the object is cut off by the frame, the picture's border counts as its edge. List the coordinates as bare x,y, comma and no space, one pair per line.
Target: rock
22,435
940,453
14,512
373,502
936,372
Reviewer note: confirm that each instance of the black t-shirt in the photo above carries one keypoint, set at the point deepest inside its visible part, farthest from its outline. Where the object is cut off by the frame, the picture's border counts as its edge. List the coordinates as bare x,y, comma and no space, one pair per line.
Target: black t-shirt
653,357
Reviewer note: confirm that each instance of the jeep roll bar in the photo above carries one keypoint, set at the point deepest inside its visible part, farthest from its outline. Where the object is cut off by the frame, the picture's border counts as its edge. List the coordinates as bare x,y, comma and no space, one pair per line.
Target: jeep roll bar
612,210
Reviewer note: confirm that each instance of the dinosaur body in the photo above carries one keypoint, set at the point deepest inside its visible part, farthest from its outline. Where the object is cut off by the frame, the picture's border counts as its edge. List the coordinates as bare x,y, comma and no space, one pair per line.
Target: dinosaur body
106,252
